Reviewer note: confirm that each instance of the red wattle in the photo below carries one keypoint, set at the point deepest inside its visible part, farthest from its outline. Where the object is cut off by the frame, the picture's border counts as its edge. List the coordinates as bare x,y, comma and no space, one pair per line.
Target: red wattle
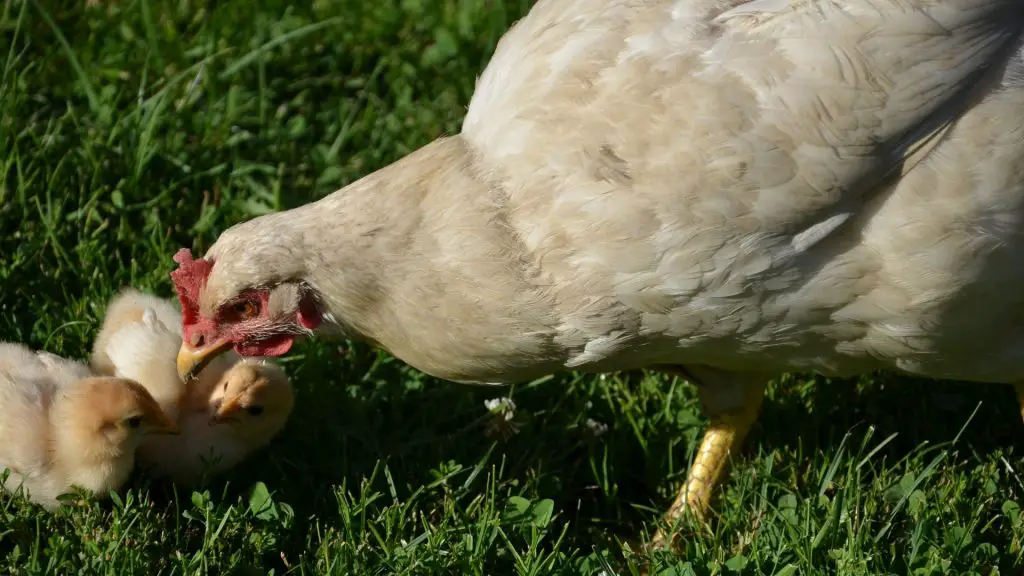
271,347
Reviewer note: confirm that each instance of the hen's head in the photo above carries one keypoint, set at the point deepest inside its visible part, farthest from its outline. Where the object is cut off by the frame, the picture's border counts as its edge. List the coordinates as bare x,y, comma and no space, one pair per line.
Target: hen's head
233,301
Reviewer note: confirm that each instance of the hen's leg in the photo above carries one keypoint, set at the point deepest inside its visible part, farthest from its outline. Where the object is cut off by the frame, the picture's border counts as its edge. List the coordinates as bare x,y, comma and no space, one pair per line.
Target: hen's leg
732,401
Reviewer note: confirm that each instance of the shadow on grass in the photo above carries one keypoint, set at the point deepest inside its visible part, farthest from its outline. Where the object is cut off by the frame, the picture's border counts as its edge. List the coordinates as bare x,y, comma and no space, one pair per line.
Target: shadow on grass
356,408
608,487
813,415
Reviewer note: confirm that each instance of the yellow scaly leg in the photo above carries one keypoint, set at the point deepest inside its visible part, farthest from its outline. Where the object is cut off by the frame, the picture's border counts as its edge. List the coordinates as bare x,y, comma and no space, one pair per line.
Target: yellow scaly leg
732,402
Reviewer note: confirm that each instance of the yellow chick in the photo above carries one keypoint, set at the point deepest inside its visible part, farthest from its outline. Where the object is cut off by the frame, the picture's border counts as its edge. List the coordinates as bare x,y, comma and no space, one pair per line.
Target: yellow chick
58,431
126,308
234,408
223,424
132,343
65,370
137,351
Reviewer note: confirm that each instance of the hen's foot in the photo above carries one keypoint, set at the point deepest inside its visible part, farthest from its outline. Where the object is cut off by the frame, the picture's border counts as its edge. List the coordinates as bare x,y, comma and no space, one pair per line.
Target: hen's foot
732,401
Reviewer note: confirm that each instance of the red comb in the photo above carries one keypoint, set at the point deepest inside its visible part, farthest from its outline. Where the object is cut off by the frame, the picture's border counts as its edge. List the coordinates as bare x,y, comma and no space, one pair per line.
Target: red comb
189,279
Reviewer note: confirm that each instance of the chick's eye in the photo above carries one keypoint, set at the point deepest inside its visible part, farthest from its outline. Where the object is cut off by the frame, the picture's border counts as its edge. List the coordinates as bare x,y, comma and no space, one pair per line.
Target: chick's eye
246,309
133,422
254,410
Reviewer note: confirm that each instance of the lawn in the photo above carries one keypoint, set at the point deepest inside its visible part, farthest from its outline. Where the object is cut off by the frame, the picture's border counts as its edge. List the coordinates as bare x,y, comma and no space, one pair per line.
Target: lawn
132,128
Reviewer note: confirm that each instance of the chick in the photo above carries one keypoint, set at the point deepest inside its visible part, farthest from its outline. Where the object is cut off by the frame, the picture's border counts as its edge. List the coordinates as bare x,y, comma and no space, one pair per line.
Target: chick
138,329
58,431
64,369
127,308
234,407
222,424
19,362
137,351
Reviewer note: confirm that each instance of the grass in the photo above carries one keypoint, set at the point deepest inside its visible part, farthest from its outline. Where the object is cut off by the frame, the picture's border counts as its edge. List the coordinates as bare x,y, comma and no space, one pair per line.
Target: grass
129,129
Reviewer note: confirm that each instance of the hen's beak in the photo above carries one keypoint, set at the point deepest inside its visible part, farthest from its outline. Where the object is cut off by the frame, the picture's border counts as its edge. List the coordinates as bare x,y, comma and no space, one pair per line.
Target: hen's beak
192,360
227,409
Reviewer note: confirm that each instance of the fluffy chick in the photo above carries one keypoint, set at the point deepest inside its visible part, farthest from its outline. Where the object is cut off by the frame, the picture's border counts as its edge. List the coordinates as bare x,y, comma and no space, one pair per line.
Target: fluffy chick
127,308
231,410
21,363
57,432
133,342
223,423
137,351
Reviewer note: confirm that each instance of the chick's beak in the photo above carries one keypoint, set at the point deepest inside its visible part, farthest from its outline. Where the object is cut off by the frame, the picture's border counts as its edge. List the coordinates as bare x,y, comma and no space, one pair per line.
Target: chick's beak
192,360
227,409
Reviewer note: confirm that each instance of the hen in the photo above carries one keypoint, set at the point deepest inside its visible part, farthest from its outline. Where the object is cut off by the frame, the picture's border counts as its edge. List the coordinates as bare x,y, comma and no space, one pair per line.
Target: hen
61,428
724,189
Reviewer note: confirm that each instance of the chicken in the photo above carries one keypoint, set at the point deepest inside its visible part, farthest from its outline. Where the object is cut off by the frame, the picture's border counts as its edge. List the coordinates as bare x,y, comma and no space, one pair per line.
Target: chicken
234,409
127,308
223,424
138,330
63,369
725,190
138,351
59,430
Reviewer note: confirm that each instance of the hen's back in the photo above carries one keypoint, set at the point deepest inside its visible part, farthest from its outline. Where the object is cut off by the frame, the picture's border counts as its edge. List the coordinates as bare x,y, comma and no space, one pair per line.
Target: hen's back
766,185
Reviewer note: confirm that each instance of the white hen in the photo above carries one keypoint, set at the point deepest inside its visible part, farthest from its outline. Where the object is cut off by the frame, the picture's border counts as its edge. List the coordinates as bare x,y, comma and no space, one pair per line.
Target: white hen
734,188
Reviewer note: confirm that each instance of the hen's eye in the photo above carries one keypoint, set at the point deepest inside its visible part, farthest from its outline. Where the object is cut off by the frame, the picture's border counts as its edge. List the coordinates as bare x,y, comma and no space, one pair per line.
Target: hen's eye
246,309
254,410
134,422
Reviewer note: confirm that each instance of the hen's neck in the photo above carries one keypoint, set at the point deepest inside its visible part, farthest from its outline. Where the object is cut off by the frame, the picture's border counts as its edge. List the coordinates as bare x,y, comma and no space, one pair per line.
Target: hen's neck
414,258
376,234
